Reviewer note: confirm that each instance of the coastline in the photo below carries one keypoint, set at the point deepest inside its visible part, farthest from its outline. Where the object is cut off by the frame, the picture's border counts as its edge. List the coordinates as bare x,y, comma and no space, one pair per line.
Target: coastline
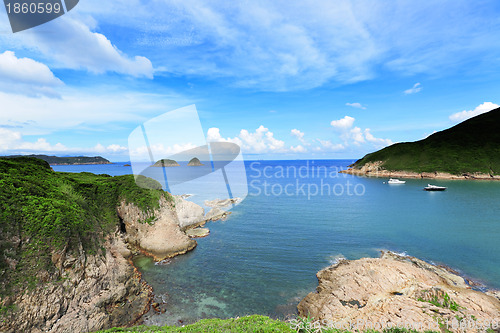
373,169
398,291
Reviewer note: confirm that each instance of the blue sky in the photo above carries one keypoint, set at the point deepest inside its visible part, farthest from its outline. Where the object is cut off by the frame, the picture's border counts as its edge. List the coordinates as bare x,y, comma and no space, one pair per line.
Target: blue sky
284,80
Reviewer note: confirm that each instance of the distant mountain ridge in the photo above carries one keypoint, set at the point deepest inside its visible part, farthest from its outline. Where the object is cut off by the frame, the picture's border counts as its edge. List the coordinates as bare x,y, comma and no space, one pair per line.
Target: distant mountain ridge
471,147
70,160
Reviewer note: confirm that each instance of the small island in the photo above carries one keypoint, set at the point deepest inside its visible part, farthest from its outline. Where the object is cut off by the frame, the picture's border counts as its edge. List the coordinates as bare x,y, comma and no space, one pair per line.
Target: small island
195,162
165,163
469,150
67,160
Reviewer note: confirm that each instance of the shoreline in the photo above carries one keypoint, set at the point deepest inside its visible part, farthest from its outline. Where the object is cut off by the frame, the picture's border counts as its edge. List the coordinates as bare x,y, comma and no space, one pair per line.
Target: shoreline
395,290
375,172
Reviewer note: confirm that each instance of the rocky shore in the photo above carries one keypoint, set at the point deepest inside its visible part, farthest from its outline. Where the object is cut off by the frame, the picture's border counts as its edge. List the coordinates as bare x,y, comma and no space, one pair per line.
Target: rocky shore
94,291
373,169
398,290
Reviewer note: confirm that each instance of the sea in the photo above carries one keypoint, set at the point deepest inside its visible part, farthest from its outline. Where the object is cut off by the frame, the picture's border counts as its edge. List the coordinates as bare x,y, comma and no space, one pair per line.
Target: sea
301,216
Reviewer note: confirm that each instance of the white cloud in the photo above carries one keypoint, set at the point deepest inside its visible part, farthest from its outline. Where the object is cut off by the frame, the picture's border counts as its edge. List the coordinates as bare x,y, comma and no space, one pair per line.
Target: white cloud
12,142
413,90
328,146
480,109
351,135
260,141
26,76
142,152
356,105
298,134
82,109
377,141
343,124
298,149
75,46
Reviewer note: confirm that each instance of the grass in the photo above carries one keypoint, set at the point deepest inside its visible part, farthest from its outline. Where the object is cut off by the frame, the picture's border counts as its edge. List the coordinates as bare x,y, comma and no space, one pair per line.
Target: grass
445,303
469,147
254,323
42,211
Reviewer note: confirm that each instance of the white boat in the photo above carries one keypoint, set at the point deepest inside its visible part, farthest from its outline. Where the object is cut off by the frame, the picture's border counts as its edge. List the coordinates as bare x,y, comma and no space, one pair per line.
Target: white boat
395,181
434,188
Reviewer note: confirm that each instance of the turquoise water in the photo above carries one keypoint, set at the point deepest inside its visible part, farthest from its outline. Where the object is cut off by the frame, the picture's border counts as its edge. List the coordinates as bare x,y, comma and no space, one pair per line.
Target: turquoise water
264,258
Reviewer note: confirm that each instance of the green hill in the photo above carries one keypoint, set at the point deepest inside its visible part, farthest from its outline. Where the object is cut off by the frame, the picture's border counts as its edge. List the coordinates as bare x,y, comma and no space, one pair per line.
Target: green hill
42,211
55,160
472,146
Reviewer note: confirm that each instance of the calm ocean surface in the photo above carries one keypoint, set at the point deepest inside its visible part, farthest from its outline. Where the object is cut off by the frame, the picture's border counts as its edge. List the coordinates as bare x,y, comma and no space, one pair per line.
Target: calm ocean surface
264,257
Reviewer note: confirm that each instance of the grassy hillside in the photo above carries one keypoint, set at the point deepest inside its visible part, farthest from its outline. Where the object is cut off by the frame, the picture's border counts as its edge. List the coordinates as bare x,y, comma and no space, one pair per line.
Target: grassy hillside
54,160
42,211
469,147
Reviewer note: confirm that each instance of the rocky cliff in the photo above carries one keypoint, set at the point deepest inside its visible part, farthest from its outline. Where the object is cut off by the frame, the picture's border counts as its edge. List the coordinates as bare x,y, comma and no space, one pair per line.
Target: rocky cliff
88,292
66,242
398,290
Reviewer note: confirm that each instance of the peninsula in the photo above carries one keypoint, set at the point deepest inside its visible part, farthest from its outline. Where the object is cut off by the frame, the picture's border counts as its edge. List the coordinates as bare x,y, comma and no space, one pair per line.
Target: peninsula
76,160
469,150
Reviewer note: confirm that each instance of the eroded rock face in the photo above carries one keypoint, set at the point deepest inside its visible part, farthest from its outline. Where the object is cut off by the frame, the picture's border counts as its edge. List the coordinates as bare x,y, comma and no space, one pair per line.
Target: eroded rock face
395,289
161,237
94,292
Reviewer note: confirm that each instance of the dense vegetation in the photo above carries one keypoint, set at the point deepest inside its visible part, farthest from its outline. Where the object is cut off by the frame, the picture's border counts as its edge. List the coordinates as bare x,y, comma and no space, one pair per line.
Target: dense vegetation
469,147
248,324
54,160
42,211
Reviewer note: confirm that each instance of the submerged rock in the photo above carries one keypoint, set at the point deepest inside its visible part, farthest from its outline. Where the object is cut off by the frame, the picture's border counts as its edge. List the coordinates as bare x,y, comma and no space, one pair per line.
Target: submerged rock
397,290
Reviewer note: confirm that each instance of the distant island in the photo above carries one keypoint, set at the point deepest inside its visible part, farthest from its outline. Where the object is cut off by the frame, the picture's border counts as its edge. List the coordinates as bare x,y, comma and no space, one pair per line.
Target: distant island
76,160
195,162
469,150
166,163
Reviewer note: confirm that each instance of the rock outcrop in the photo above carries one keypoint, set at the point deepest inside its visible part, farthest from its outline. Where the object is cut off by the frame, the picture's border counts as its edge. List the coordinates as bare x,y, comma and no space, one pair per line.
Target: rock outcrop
195,162
161,236
92,292
165,163
397,290
192,215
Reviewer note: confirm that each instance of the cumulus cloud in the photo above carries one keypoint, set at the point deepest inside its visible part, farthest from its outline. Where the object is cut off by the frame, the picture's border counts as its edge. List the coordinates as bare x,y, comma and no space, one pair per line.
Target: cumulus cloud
343,124
355,135
298,134
298,149
12,142
328,146
413,90
77,47
26,76
480,109
260,141
356,105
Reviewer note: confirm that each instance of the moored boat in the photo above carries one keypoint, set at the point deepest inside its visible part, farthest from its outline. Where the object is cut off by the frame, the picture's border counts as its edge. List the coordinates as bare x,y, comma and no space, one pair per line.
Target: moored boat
434,188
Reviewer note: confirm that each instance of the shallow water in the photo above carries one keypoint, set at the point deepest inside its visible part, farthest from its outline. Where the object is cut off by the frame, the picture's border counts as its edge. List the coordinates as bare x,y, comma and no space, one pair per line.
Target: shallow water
264,257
